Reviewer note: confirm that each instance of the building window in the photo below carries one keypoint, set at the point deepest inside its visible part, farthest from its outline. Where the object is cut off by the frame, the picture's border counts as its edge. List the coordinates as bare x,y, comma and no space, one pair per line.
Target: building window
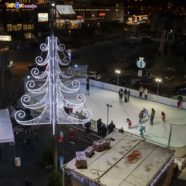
9,27
14,28
28,35
19,27
25,27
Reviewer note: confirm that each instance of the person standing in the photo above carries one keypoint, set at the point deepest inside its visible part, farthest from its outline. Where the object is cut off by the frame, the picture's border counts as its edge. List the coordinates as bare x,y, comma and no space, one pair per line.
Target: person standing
125,95
121,92
141,91
163,116
179,103
129,123
103,130
99,125
73,136
111,127
152,116
128,95
146,93
87,87
61,137
142,130
141,115
87,126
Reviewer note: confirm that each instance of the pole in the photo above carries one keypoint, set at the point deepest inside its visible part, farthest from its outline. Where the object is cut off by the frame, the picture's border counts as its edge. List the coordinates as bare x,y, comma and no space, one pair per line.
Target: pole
107,113
52,5
158,88
170,135
118,80
63,177
53,96
52,84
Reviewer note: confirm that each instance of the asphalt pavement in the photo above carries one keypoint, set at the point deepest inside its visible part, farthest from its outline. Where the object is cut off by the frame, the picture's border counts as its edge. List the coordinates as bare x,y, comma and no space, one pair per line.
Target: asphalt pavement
32,152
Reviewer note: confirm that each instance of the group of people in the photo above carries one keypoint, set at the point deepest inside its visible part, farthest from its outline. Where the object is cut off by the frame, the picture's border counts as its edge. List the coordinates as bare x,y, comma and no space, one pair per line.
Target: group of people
124,94
72,136
144,116
143,91
103,129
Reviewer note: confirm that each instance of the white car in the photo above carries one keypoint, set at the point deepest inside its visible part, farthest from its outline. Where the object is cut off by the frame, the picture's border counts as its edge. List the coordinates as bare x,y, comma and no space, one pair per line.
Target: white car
93,75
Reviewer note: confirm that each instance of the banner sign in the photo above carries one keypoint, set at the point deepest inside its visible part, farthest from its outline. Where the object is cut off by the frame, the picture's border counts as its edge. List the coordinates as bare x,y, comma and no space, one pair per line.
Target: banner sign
18,5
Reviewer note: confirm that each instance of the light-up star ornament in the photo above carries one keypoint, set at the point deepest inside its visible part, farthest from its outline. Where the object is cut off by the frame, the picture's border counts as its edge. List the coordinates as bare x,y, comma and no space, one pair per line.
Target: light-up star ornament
141,63
55,94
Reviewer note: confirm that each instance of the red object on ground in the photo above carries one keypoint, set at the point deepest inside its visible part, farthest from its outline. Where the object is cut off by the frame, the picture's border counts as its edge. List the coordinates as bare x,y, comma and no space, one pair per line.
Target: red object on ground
73,135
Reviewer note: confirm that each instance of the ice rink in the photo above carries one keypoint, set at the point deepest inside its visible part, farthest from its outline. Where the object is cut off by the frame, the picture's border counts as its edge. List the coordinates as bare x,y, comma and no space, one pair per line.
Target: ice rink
120,111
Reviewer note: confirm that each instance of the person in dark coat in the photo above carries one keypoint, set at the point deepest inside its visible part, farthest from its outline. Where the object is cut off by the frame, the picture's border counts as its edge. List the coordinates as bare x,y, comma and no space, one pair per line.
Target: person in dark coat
87,126
99,125
103,130
111,127
179,103
125,91
87,87
152,116
125,95
121,92
128,95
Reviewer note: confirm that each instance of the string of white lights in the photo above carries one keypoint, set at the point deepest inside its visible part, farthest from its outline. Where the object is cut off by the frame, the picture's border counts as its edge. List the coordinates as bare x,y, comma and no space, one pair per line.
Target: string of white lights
47,89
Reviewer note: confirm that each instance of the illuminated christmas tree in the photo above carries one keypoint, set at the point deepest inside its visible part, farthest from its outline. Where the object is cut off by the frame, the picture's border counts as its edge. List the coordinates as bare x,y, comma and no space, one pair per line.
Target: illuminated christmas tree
57,93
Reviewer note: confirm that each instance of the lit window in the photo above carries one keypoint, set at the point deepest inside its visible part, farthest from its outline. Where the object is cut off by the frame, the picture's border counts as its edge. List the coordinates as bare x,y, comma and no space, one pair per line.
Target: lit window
14,28
29,26
28,35
25,27
19,27
9,27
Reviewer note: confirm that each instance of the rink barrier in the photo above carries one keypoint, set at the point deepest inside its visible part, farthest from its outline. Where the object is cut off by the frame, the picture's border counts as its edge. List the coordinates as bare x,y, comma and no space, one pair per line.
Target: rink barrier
134,93
180,151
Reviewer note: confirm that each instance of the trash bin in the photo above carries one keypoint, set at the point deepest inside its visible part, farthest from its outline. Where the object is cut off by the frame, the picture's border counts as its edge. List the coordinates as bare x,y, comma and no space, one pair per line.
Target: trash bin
17,161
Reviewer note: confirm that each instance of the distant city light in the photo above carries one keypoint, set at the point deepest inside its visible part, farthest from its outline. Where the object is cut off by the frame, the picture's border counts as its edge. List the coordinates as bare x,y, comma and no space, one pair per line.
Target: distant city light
118,71
5,38
159,80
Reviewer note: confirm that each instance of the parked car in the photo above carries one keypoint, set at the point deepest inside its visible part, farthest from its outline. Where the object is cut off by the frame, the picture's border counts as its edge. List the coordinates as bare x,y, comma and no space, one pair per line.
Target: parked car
148,83
93,75
180,90
123,81
41,68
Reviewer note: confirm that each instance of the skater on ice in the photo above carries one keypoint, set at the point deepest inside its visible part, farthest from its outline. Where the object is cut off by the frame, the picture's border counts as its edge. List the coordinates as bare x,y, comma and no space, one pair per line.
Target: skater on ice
129,123
141,89
143,115
128,95
121,92
163,116
179,103
142,131
145,93
152,116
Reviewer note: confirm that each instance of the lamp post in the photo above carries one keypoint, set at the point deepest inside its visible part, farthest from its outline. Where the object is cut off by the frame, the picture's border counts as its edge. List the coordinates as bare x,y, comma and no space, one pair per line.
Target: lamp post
108,106
158,80
118,72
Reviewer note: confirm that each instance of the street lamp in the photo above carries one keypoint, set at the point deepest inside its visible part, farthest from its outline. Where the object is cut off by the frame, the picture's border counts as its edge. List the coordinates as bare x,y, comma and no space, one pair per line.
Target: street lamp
118,72
108,106
158,80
